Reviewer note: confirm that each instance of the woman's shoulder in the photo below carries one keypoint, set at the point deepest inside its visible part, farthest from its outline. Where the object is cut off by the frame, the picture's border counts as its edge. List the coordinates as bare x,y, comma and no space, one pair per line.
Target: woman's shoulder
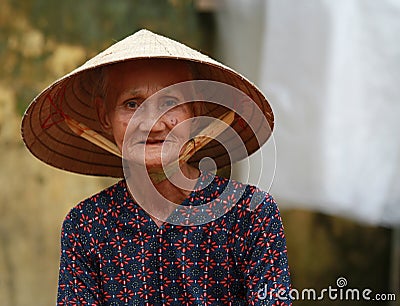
244,196
99,203
248,208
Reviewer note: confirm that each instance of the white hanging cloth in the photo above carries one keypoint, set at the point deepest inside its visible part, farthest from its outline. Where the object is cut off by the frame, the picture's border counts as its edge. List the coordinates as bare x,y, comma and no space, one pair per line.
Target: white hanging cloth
331,70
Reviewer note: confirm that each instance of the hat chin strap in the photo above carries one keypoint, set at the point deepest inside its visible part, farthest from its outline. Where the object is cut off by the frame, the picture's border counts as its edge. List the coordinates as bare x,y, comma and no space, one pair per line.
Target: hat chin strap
209,133
85,132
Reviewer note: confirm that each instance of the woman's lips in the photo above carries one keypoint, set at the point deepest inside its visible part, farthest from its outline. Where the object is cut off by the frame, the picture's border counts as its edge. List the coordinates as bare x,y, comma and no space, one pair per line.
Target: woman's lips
150,142
153,141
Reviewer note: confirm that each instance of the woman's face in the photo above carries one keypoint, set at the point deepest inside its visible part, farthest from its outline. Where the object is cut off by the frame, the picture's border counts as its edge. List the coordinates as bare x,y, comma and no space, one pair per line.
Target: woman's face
127,87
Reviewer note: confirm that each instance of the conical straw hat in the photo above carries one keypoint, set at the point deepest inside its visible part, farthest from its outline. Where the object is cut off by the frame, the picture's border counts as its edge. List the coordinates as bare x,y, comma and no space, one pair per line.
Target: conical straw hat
48,136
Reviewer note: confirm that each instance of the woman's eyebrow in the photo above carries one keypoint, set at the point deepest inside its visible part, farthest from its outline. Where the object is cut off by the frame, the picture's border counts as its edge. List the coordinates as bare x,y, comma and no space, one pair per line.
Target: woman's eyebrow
173,93
133,92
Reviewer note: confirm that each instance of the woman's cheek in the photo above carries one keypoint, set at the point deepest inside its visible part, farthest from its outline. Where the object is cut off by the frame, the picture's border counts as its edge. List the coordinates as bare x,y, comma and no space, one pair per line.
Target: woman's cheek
119,129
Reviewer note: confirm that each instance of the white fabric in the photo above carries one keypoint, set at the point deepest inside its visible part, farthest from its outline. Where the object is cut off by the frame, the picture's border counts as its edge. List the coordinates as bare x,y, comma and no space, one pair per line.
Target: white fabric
331,70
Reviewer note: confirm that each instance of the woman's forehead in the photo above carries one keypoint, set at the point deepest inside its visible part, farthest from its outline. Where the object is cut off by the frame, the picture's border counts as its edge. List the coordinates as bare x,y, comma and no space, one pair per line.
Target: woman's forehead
145,77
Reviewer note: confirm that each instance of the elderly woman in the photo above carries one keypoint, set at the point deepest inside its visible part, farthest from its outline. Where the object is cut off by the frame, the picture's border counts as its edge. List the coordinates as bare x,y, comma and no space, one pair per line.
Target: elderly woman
169,232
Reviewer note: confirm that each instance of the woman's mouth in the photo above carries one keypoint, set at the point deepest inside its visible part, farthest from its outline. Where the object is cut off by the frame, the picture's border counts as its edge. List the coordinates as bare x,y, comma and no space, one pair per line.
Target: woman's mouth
153,141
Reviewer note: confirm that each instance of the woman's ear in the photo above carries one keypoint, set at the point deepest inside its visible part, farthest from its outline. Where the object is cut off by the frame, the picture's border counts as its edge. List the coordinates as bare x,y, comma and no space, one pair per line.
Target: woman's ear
103,115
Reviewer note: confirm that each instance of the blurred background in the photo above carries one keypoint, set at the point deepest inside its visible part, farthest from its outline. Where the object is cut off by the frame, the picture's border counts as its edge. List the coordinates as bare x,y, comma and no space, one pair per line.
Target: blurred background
331,71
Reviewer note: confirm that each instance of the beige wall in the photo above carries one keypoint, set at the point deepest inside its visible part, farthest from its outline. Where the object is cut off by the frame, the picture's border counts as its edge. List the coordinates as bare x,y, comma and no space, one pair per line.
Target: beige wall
34,199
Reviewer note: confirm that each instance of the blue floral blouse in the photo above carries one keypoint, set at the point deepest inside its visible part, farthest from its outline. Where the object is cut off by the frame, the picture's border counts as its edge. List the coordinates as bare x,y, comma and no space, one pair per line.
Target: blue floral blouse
113,253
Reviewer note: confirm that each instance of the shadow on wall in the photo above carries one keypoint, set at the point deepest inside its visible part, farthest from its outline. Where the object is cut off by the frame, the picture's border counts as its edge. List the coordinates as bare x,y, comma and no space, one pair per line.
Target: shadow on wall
323,249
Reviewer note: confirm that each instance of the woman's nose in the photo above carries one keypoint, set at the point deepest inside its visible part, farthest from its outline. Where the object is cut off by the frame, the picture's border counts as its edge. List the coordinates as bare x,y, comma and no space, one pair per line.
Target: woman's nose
151,125
150,119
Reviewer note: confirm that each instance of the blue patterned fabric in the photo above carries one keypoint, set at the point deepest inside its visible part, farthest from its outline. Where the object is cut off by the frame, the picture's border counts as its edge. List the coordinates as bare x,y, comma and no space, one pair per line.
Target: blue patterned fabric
113,253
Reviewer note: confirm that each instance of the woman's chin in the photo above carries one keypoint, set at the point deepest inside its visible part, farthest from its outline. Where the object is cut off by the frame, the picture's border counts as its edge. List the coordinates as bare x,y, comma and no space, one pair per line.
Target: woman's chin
150,164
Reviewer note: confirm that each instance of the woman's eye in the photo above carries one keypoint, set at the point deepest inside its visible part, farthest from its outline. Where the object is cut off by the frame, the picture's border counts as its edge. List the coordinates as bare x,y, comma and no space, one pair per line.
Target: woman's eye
132,104
169,102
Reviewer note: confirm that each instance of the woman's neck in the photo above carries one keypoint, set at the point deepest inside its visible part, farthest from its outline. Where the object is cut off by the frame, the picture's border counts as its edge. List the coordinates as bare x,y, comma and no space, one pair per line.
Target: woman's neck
159,199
